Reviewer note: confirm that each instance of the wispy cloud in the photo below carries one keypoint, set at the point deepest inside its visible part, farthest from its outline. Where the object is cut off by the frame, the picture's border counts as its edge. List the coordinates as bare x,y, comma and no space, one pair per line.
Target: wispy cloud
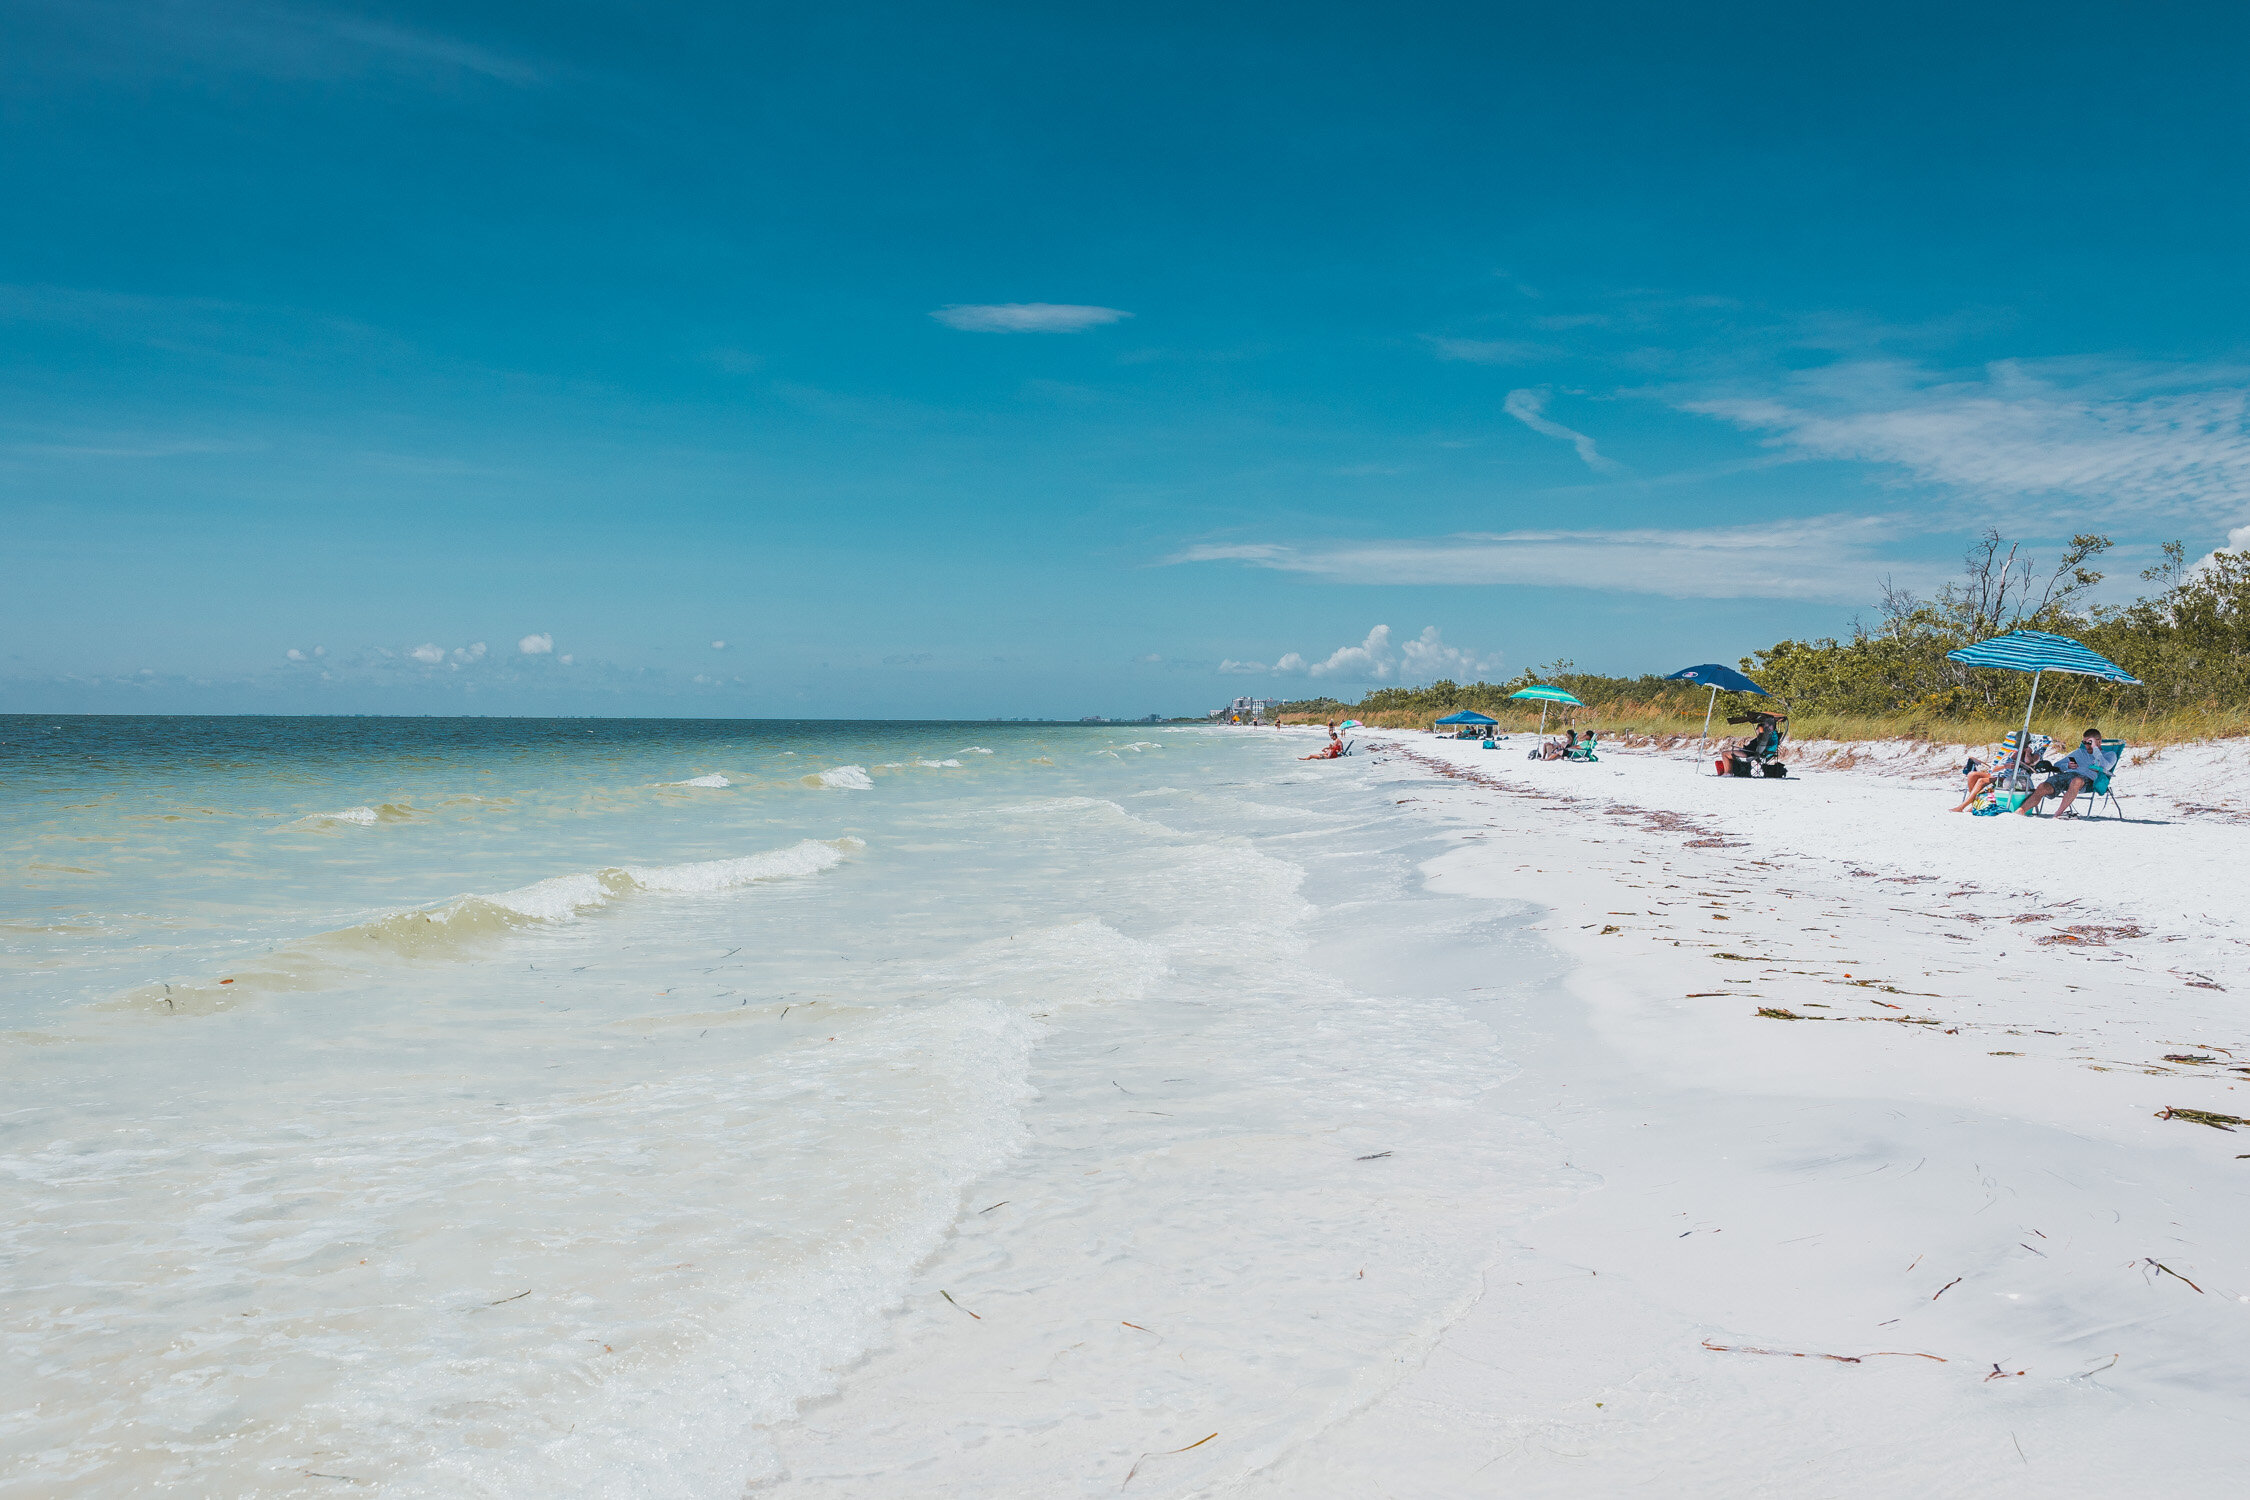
269,38
1530,406
1829,558
1487,351
1026,317
2123,437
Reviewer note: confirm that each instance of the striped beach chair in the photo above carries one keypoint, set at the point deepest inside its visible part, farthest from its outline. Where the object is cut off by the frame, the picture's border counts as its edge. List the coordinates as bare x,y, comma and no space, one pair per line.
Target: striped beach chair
2012,772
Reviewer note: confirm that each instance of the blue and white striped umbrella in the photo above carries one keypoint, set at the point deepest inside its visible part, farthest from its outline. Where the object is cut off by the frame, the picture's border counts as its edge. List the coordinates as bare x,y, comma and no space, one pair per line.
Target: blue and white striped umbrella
2039,651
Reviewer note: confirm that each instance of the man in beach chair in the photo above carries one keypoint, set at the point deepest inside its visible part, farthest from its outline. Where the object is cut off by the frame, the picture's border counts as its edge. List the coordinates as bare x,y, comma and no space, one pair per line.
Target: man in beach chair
1761,751
1584,749
2087,767
2010,771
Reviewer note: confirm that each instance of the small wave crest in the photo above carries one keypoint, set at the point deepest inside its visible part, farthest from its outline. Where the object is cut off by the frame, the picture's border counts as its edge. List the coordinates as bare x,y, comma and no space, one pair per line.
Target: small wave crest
714,780
843,778
974,750
357,817
808,858
468,922
563,897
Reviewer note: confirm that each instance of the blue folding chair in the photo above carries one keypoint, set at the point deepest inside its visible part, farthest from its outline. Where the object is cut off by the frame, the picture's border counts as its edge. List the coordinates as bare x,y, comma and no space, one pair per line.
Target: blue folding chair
2104,788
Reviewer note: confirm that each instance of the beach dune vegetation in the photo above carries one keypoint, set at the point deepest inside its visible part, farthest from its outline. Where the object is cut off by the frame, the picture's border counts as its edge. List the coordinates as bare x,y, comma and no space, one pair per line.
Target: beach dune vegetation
2187,637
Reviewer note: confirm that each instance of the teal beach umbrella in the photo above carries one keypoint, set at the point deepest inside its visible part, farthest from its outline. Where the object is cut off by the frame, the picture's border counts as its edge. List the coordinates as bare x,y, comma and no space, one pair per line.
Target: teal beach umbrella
2038,652
1544,696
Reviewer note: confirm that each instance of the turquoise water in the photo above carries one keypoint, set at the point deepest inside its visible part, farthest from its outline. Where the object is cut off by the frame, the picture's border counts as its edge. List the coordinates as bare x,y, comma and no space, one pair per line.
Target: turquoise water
539,1107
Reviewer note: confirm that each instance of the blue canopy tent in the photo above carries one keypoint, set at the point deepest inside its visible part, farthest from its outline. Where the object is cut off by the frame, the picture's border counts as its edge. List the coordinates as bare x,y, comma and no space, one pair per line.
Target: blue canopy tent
1464,717
1715,677
1544,695
2038,652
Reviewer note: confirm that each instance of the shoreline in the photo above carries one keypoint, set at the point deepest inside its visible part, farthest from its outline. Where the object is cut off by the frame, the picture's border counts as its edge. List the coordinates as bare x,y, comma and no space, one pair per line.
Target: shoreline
1741,1304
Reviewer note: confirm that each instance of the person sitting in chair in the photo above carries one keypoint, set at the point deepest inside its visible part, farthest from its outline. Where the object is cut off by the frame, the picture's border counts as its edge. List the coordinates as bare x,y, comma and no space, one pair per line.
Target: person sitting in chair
2011,772
1557,749
1331,750
2073,774
1760,748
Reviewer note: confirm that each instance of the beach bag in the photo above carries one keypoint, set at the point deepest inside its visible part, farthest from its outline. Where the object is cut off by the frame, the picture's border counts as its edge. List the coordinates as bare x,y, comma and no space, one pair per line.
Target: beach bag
1719,766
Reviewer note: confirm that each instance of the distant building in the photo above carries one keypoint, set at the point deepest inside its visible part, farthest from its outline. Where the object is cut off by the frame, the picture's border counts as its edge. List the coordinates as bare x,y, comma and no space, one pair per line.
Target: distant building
1244,711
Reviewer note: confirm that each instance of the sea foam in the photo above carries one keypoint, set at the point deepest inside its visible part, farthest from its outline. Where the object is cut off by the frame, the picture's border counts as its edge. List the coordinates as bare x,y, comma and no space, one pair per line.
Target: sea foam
358,817
844,778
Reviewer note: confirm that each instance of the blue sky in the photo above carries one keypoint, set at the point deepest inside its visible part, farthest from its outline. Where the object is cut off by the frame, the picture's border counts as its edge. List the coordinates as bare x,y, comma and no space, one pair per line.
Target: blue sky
1047,360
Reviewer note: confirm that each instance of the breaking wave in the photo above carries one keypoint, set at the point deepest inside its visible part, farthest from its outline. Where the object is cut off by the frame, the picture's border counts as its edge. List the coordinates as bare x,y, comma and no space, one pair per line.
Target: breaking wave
714,779
844,778
468,921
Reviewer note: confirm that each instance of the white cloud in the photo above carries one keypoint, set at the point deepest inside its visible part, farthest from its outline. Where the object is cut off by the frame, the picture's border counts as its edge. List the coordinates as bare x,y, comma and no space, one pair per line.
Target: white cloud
718,645
541,644
565,658
1370,660
1428,657
2122,437
1529,407
427,654
1026,317
2238,540
1830,558
296,655
1377,659
469,653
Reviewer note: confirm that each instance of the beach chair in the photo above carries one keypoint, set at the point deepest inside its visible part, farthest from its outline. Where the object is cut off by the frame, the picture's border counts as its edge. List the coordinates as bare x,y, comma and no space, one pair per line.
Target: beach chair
1584,750
2014,774
2104,788
1762,755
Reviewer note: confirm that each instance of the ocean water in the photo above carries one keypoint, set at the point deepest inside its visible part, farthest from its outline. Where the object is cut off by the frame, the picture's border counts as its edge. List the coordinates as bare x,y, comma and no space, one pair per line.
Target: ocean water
641,1108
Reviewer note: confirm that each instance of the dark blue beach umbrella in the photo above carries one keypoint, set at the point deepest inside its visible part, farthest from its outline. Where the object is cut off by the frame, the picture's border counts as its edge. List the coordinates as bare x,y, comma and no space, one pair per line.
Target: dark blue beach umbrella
1715,677
2039,652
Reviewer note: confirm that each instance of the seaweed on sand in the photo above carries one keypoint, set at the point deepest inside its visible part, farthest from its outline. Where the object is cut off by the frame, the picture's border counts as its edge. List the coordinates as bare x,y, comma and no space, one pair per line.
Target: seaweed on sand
2201,1117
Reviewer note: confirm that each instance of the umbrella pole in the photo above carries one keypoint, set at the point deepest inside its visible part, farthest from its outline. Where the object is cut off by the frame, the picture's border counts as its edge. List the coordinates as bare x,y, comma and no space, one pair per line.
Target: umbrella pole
1543,716
2023,742
1714,703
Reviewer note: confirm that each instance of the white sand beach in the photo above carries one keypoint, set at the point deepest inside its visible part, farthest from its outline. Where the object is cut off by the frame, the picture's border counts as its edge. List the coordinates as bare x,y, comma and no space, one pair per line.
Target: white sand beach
1106,1115
1934,1236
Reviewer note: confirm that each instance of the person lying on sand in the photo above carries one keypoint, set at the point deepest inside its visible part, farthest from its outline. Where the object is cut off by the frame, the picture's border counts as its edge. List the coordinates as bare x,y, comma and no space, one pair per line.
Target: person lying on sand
2073,774
1331,750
